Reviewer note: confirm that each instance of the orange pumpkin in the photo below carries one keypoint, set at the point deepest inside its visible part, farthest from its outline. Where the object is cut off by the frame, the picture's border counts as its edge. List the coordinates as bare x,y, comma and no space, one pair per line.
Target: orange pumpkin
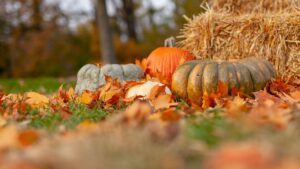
163,61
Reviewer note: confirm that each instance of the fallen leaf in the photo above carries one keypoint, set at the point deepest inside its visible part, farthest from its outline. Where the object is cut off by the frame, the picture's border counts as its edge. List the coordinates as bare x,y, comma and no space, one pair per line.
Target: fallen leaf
262,96
241,157
296,95
278,86
163,101
8,137
141,63
137,113
222,89
209,100
269,112
86,97
156,91
3,122
65,113
170,115
28,137
71,93
235,107
35,99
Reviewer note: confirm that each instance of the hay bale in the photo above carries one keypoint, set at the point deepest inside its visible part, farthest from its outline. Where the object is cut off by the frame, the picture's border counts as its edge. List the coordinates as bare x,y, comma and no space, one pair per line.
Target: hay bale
248,6
274,36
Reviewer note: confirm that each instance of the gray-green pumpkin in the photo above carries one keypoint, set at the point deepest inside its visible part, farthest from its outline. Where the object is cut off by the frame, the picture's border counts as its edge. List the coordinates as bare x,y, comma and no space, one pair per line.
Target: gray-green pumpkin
195,78
90,76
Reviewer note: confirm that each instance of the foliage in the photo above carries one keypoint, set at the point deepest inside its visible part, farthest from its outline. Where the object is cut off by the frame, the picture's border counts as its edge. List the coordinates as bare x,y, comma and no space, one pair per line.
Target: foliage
44,43
42,84
271,118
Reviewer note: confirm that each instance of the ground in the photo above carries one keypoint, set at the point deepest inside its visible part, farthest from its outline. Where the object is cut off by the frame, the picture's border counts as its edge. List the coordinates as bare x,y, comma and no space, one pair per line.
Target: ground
54,128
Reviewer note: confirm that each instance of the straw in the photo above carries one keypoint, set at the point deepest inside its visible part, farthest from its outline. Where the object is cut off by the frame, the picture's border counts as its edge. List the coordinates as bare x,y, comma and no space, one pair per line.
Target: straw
274,36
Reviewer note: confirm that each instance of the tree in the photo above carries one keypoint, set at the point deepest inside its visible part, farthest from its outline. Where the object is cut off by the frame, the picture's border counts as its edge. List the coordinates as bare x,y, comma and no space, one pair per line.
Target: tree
36,17
105,33
129,18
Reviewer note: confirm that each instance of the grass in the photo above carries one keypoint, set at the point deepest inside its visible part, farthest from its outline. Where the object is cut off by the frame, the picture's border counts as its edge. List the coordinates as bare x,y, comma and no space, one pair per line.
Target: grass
51,121
212,128
43,84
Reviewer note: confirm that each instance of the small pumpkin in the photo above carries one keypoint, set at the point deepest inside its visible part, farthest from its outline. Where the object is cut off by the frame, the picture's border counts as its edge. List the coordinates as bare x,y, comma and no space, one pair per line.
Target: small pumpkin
144,89
163,61
196,78
90,76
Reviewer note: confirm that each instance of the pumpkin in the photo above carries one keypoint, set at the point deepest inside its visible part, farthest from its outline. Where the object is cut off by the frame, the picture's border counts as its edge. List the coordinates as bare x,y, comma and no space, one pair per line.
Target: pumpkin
196,78
163,61
90,76
144,89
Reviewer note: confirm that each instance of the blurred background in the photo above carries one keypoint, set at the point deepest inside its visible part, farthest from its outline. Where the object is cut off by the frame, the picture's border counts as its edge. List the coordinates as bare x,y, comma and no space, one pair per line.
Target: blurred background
54,38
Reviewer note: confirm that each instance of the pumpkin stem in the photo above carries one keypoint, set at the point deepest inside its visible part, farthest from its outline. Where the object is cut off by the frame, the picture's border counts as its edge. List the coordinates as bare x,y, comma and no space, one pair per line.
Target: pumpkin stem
170,42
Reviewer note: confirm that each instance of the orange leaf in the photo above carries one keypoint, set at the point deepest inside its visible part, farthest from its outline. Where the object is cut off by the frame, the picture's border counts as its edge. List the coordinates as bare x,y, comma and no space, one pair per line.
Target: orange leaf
262,96
270,112
142,64
209,100
170,115
236,106
279,86
156,91
65,113
296,95
245,156
86,97
222,88
28,137
137,113
163,101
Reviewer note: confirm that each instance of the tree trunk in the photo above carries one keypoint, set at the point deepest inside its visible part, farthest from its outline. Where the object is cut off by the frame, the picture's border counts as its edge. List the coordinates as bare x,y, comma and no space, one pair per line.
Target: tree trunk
129,18
36,17
105,33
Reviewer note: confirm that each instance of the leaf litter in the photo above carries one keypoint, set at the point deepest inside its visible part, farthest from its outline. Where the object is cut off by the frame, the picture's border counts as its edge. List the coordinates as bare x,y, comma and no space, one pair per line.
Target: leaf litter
161,118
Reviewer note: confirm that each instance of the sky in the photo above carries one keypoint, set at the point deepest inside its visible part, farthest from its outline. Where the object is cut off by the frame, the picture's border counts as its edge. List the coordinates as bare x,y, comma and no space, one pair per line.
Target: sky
86,6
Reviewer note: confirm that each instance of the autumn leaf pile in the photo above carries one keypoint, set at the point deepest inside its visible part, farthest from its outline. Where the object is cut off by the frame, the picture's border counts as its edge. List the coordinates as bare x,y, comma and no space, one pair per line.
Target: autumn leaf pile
160,118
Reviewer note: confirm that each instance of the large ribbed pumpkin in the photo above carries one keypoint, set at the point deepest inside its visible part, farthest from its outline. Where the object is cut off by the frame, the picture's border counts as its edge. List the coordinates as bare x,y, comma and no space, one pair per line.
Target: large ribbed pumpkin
163,61
195,78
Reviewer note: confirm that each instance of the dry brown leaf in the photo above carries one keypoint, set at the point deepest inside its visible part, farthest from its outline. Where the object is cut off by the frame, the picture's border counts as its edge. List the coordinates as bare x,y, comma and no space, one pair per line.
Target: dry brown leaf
279,86
270,112
262,96
235,107
28,137
241,157
163,102
137,113
170,115
8,137
156,91
141,63
296,95
35,99
223,89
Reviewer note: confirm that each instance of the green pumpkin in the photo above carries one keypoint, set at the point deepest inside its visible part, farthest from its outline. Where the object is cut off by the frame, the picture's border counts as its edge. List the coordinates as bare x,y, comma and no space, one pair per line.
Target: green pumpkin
195,78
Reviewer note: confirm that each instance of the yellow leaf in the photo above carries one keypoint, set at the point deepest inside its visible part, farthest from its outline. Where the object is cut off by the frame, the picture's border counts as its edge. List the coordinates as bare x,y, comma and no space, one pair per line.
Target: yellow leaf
8,137
86,98
35,99
3,122
71,93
